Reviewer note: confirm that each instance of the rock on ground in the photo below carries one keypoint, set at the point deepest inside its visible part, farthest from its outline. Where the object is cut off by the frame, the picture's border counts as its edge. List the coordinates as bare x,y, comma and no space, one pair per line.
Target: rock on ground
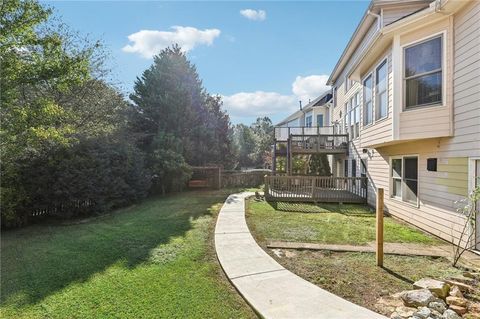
417,298
461,302
450,314
458,309
404,312
423,313
438,305
437,287
455,292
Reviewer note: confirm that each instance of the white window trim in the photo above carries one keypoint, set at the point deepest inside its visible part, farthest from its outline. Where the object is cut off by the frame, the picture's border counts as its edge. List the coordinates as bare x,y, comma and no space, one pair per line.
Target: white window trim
390,180
403,87
353,110
471,171
372,73
323,119
308,115
363,99
375,111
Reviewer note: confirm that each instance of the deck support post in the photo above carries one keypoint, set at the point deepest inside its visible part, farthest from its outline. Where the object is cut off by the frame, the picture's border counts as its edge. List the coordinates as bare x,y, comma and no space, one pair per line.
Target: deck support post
274,158
379,228
289,156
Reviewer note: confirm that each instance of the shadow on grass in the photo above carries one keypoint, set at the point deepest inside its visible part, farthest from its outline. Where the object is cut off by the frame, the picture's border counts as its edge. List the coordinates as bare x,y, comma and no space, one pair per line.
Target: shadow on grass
41,259
397,275
352,210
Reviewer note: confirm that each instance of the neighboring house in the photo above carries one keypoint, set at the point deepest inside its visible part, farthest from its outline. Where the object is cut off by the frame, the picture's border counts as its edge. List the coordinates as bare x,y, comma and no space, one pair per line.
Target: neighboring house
407,92
315,113
306,123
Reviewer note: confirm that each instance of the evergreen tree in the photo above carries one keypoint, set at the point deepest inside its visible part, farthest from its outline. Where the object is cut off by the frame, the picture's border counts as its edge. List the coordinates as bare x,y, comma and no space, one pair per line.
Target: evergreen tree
175,122
319,165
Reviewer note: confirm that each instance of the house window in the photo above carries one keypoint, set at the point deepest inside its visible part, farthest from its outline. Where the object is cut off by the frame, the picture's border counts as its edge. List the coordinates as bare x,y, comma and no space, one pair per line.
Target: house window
348,84
367,100
381,98
404,174
345,168
354,115
423,73
354,168
357,114
334,93
320,120
351,119
308,121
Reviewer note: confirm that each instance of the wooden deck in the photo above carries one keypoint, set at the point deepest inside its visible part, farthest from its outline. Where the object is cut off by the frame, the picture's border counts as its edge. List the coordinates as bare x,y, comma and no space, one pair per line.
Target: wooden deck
316,189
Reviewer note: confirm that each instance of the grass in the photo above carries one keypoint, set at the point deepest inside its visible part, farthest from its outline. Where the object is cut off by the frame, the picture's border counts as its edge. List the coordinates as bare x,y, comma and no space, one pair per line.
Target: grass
353,276
152,260
328,224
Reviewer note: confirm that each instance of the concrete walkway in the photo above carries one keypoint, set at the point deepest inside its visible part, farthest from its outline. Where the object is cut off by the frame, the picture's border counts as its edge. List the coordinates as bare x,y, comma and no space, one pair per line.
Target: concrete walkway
270,289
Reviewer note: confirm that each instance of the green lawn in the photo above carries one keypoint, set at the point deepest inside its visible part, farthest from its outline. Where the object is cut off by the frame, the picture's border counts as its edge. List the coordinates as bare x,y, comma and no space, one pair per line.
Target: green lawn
152,260
327,224
353,276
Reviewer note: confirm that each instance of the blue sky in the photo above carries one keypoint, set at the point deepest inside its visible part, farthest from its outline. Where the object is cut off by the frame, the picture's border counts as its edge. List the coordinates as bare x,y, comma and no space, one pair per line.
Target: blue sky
262,63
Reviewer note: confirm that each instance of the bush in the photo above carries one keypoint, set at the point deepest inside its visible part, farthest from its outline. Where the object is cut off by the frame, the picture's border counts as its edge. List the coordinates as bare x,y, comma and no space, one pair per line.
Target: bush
94,175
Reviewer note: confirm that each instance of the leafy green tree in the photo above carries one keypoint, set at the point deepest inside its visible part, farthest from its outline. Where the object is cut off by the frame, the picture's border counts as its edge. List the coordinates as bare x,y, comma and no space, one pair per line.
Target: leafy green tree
244,140
33,62
169,170
318,165
176,122
93,175
61,124
221,149
263,131
169,98
254,143
37,67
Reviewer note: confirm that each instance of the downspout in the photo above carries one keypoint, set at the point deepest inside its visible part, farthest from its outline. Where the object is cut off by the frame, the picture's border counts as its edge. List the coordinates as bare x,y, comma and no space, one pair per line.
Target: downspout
379,18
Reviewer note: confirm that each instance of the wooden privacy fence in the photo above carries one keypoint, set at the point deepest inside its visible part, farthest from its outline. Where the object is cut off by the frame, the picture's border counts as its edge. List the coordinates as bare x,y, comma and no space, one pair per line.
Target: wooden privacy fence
243,179
316,189
72,207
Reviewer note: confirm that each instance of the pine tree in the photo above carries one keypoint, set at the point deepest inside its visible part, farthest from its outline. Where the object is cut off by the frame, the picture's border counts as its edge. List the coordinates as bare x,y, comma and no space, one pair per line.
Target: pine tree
319,165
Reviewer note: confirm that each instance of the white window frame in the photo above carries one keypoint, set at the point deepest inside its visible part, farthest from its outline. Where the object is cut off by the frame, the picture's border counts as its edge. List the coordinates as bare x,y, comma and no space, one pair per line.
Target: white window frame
323,120
471,172
348,84
334,96
364,124
376,109
357,109
311,120
443,35
391,195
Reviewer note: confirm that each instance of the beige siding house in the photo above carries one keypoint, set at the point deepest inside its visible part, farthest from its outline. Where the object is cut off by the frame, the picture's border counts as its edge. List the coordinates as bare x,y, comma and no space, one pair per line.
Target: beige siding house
315,113
407,91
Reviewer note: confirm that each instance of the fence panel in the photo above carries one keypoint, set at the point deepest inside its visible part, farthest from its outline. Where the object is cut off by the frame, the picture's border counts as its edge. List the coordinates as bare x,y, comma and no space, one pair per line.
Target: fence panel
316,189
243,179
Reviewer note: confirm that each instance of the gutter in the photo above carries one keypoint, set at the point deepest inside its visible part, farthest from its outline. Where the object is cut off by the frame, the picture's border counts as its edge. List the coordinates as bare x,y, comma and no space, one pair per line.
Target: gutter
344,53
334,74
432,9
379,19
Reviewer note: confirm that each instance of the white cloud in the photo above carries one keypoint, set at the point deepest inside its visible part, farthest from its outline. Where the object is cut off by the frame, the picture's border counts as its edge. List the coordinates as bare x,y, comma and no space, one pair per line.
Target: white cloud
260,103
147,43
309,87
255,15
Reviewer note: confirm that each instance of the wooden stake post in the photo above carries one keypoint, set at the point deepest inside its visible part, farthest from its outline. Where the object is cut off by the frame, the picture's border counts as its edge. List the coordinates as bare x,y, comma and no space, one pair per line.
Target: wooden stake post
379,227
